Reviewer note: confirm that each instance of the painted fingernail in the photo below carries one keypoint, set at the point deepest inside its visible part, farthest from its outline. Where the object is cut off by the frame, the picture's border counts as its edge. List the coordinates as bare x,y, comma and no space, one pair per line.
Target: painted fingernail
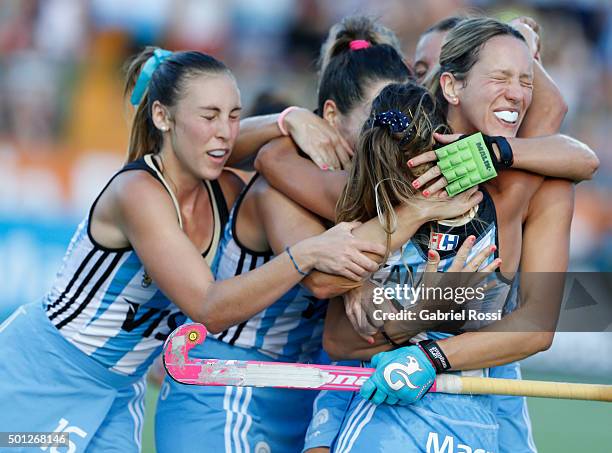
324,167
472,239
410,163
431,254
371,340
426,193
493,248
416,184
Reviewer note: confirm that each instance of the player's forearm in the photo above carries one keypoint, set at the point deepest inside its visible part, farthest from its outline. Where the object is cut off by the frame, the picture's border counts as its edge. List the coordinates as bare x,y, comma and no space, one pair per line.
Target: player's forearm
524,332
567,158
473,350
556,156
255,132
299,178
230,302
530,328
409,220
340,340
547,109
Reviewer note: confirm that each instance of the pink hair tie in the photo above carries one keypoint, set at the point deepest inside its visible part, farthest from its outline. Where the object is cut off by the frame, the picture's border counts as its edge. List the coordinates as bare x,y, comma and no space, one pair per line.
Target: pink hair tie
358,44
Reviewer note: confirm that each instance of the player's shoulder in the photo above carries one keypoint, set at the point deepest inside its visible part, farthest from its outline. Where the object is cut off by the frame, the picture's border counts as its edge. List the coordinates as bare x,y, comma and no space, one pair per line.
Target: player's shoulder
520,184
513,190
263,192
232,182
136,190
554,191
134,184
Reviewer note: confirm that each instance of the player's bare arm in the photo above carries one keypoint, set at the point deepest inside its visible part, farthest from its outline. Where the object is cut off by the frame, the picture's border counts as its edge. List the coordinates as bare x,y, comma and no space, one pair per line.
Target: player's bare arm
300,179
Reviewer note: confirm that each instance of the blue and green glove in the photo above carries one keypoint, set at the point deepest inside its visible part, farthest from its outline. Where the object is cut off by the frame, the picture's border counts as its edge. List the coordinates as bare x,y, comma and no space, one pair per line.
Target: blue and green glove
404,375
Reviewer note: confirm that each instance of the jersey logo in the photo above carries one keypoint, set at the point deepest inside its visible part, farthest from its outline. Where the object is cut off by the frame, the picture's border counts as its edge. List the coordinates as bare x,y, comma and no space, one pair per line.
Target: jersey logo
146,280
448,445
72,430
404,372
320,418
442,241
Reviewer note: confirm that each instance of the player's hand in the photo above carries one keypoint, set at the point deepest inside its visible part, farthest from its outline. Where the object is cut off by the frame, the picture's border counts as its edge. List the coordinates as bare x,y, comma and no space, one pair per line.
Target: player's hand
433,176
530,30
320,141
402,376
463,272
477,263
339,252
359,306
440,206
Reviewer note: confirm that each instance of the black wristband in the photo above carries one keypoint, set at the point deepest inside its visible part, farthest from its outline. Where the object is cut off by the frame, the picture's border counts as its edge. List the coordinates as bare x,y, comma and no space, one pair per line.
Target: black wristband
435,354
506,157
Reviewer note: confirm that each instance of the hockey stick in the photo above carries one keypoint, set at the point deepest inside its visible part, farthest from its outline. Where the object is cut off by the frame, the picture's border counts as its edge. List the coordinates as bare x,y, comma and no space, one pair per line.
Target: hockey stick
328,377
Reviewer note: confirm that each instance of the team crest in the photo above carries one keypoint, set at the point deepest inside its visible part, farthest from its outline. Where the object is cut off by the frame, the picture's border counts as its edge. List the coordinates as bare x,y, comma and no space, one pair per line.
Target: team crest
146,280
442,241
402,373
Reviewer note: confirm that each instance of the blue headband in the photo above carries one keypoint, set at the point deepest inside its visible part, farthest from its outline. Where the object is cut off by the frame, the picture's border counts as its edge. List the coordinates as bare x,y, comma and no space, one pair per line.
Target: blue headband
395,120
158,57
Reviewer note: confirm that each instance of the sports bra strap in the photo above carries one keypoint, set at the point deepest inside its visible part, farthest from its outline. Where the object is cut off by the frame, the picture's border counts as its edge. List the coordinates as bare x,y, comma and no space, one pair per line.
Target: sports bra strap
148,158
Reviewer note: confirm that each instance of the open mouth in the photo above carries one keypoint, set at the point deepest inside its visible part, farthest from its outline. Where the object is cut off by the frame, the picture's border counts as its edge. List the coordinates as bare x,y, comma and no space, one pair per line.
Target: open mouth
509,117
217,153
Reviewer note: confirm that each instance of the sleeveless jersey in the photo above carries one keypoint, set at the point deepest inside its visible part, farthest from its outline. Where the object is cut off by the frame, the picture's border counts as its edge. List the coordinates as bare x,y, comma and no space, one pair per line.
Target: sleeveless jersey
291,329
406,266
103,301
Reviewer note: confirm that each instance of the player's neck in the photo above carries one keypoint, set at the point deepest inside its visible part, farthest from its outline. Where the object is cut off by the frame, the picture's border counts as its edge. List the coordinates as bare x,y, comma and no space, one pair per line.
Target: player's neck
458,122
183,183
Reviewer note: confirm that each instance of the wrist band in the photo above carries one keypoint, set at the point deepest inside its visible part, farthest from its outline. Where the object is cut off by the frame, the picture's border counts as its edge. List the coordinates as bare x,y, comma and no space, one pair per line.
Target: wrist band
297,268
435,355
506,156
281,119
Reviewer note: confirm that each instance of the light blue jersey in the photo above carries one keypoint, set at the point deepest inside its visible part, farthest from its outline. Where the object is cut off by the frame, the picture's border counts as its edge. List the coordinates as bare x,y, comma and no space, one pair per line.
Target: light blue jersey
234,419
438,422
104,303
78,359
407,265
290,329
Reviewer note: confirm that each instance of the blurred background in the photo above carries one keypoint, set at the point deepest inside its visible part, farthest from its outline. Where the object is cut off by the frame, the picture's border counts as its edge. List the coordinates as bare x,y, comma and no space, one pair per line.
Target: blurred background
63,128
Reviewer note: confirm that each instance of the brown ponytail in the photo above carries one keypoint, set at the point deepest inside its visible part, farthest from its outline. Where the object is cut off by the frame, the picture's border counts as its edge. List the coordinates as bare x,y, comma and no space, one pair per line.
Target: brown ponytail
379,178
345,73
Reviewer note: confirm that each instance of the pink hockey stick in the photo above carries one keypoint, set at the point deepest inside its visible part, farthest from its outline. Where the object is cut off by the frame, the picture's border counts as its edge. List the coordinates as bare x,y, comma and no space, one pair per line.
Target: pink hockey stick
251,373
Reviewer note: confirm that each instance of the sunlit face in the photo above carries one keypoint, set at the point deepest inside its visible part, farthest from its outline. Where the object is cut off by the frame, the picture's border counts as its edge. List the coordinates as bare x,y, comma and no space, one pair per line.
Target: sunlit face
497,92
350,125
427,54
206,123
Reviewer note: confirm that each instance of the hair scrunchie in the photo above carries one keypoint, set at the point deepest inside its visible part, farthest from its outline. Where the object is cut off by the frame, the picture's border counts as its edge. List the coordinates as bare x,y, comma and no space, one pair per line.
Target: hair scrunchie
158,57
359,44
395,120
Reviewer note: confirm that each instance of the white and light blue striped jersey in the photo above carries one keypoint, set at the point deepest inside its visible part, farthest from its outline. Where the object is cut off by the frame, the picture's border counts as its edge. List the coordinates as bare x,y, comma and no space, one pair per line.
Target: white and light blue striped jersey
406,266
104,303
291,329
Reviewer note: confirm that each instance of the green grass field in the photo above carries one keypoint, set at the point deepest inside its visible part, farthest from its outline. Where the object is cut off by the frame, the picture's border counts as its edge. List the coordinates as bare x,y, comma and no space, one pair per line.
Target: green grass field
559,426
